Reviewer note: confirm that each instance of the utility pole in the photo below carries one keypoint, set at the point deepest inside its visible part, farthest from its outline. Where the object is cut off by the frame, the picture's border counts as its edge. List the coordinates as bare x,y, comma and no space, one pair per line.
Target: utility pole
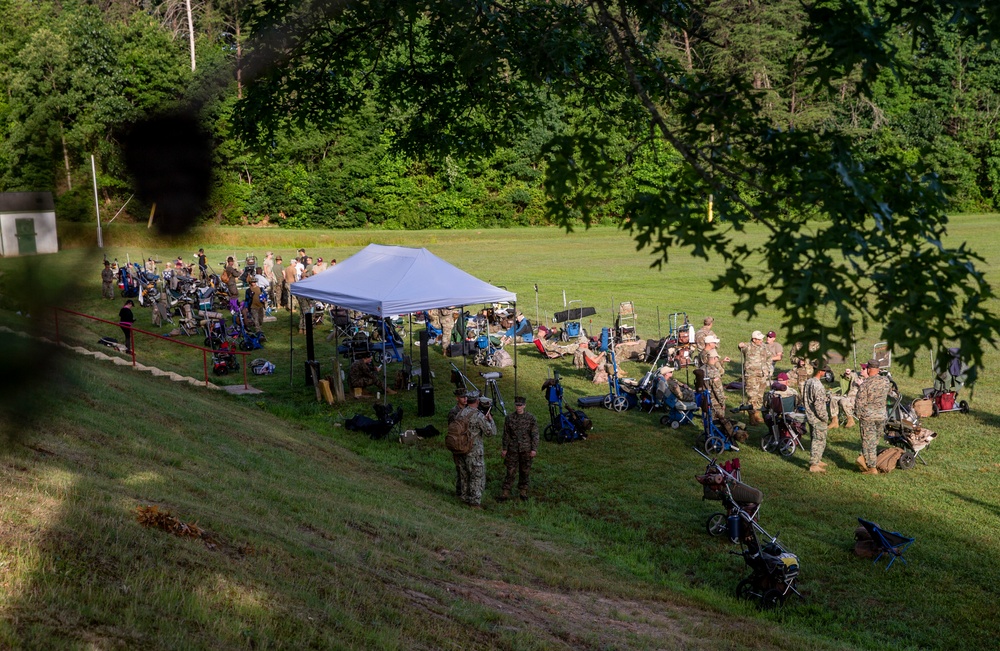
97,205
187,3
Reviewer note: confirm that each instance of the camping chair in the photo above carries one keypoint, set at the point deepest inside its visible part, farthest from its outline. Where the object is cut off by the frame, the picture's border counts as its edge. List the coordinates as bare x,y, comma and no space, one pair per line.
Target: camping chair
888,542
548,354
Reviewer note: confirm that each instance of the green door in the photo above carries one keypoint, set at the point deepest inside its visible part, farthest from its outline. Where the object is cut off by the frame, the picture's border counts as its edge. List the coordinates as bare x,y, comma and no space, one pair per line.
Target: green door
25,229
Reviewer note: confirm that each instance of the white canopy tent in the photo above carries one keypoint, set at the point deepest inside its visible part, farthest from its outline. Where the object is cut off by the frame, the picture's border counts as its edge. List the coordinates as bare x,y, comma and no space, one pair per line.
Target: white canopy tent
386,280
389,280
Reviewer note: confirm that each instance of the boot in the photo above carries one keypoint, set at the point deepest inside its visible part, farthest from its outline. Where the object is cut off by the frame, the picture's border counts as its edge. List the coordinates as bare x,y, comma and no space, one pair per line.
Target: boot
870,471
816,468
850,421
862,464
357,392
755,418
524,494
834,422
505,495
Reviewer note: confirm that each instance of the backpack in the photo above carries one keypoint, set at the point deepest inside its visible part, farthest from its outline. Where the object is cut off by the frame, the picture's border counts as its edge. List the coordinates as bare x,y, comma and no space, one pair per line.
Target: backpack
459,439
225,277
261,366
500,359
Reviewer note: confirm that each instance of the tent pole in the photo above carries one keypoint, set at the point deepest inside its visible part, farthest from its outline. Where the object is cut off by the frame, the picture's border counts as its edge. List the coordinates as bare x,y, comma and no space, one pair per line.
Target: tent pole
465,361
515,338
291,345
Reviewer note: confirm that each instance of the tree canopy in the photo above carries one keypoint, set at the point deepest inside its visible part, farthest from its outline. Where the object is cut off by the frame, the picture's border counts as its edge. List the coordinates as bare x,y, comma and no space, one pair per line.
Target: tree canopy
846,128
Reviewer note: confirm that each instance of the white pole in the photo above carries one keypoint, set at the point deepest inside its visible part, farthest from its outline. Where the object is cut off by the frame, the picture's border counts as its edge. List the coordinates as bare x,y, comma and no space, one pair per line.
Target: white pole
190,31
97,206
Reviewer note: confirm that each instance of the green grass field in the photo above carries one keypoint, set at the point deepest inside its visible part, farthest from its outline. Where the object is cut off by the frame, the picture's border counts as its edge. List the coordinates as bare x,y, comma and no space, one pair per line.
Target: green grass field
325,539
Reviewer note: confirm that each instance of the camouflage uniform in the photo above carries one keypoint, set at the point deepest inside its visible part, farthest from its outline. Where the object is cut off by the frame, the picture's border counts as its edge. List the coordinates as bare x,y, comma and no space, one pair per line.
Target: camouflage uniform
757,371
459,459
818,417
681,390
870,407
362,374
699,336
107,283
520,439
846,401
713,380
447,318
802,370
474,463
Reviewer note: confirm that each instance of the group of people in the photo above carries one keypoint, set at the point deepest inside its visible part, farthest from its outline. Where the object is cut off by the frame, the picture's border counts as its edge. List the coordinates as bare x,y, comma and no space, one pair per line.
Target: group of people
518,447
862,396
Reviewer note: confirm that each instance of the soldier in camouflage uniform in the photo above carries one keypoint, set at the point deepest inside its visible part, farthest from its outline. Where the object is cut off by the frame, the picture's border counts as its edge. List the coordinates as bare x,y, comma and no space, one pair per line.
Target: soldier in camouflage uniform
849,385
363,373
756,373
710,343
802,369
459,459
870,408
474,463
518,448
818,417
703,332
447,318
713,382
107,281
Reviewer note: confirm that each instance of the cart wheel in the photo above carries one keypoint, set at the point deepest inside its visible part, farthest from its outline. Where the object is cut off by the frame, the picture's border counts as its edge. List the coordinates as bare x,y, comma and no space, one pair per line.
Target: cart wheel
607,401
208,342
769,443
620,404
549,434
675,424
964,406
714,445
907,460
665,420
220,370
934,408
716,524
787,447
772,599
567,434
744,590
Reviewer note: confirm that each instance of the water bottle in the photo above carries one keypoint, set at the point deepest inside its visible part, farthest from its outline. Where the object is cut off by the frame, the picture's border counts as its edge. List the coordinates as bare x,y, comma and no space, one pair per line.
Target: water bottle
733,528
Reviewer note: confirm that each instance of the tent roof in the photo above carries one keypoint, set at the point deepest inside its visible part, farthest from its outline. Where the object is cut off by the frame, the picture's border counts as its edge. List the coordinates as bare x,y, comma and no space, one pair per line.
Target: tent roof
385,280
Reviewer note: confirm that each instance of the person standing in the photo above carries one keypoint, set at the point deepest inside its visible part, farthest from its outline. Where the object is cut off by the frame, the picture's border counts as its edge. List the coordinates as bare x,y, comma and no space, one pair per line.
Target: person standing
125,320
703,332
202,264
305,307
818,417
474,463
712,374
710,343
756,373
232,275
518,448
290,274
255,304
774,349
870,407
459,459
320,266
447,325
278,284
107,282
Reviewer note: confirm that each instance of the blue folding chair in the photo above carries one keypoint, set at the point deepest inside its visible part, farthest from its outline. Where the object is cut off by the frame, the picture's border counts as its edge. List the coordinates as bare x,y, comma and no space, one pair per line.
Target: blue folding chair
889,542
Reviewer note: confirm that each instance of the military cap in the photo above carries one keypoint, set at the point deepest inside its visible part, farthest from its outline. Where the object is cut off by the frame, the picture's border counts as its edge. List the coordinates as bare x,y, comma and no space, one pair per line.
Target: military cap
520,400
713,353
872,363
711,339
472,394
460,393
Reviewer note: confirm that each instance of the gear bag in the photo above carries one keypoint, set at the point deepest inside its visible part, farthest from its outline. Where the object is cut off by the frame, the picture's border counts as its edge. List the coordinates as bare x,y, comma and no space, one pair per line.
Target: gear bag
459,439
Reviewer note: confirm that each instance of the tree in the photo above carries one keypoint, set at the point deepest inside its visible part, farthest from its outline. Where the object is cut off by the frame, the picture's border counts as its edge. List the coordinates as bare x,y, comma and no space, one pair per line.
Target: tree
463,77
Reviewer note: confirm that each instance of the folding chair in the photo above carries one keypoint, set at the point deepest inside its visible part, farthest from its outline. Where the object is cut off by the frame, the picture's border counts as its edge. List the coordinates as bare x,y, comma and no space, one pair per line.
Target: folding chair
888,542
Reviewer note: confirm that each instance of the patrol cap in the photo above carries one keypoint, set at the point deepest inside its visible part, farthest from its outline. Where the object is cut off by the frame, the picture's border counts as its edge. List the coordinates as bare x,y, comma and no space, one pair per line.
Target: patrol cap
666,369
711,339
520,400
872,363
107,264
460,393
472,394
757,334
713,353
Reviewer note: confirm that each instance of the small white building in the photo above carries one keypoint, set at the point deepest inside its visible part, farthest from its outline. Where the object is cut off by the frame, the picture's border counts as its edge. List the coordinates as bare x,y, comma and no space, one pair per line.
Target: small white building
27,223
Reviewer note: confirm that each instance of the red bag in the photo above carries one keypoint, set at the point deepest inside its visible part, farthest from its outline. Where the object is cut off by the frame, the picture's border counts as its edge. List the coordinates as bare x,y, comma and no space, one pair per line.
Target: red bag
946,401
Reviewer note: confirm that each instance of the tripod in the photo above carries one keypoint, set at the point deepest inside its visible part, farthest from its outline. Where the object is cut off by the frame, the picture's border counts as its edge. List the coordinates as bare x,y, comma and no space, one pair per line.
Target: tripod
492,390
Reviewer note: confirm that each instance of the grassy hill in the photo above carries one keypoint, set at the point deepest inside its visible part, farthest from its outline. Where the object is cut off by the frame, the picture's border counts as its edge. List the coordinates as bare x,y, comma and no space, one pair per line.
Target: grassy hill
318,537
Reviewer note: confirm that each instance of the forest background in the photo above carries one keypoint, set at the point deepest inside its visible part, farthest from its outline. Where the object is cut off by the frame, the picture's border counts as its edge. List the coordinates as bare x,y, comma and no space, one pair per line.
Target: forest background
77,73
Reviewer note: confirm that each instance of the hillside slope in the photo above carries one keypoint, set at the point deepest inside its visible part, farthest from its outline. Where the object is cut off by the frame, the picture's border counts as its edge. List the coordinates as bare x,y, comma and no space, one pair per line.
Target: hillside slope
305,545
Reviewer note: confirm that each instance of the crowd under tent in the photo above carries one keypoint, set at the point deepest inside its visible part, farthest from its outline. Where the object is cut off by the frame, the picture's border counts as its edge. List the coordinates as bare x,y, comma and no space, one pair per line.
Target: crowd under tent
391,280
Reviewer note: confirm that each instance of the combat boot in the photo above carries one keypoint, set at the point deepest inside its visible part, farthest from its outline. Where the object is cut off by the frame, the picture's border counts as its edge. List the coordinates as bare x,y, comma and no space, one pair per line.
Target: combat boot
862,464
834,422
524,494
755,418
817,468
870,471
505,495
850,421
